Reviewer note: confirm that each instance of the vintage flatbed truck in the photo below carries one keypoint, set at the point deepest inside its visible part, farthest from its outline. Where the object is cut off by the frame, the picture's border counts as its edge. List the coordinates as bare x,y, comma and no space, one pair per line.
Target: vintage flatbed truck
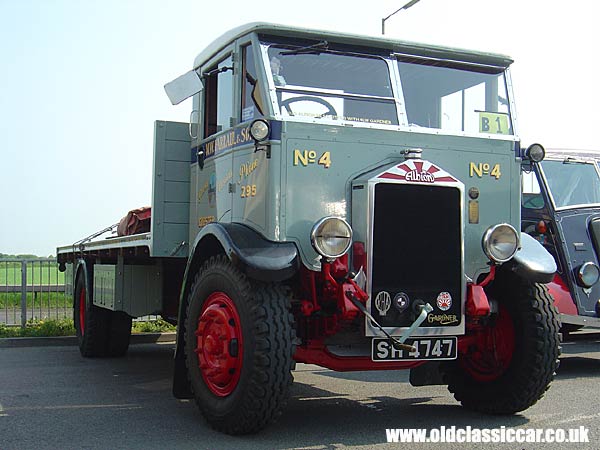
340,200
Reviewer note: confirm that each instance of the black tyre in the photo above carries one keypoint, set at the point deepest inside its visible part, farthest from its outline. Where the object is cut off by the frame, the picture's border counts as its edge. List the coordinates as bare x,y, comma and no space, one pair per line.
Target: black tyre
239,343
91,322
119,333
510,363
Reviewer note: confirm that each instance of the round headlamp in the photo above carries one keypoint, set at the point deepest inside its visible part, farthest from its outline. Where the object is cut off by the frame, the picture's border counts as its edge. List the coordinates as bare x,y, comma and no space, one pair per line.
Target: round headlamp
500,242
331,237
259,130
588,274
535,152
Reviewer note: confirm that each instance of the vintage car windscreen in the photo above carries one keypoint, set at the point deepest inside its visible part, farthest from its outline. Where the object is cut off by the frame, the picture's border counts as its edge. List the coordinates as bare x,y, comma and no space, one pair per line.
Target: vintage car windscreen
454,97
572,183
332,85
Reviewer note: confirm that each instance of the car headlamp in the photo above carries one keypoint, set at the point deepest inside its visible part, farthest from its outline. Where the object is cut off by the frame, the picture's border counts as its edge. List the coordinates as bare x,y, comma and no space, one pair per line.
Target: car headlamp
588,274
259,130
500,242
331,237
535,152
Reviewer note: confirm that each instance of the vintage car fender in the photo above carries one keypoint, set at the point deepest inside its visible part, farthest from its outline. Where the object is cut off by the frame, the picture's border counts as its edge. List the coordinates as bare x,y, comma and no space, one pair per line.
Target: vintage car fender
533,262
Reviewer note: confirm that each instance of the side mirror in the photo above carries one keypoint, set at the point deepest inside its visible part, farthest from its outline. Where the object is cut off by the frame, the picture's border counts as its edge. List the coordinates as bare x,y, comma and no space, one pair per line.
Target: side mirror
183,87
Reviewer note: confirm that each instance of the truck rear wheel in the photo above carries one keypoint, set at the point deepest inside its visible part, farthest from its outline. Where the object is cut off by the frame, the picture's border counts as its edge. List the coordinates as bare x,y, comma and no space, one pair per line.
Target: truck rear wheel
100,332
119,333
91,322
513,360
239,347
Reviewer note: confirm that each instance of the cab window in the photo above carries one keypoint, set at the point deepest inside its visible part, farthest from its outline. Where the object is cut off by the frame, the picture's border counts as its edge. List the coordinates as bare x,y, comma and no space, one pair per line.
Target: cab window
332,85
251,101
455,97
218,99
532,195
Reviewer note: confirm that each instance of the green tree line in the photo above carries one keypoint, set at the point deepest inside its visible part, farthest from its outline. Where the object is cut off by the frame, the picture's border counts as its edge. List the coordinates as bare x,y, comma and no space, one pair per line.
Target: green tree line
23,256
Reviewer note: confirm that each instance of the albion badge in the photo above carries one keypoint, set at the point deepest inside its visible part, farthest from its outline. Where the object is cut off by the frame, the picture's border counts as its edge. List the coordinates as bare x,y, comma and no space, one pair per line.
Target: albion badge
444,301
383,301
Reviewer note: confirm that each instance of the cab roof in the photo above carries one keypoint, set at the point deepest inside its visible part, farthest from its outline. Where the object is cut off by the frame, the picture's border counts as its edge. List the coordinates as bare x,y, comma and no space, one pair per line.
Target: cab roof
394,46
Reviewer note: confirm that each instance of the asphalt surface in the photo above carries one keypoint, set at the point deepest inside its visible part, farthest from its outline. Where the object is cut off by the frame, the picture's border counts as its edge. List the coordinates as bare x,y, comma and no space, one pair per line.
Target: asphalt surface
52,398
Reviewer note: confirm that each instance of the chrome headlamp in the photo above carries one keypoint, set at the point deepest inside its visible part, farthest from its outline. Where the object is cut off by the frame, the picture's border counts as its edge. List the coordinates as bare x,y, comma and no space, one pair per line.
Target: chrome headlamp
535,152
259,130
588,274
500,242
331,237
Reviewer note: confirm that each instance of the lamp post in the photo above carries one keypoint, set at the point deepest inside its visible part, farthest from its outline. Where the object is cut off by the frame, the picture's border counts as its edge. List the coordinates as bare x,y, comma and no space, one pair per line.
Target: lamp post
408,5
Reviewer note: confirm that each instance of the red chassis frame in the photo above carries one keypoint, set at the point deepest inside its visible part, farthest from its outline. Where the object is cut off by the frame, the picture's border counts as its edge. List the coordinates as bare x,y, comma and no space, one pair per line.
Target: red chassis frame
330,289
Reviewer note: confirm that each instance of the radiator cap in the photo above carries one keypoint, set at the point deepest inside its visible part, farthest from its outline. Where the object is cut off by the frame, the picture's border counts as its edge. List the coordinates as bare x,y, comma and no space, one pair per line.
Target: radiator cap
412,153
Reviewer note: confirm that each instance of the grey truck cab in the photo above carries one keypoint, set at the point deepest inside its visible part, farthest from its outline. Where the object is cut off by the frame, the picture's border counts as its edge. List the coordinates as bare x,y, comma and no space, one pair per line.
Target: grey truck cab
346,201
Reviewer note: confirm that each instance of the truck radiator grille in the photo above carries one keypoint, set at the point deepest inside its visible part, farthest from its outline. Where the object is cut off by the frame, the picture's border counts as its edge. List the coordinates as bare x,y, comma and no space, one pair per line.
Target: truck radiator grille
595,232
417,251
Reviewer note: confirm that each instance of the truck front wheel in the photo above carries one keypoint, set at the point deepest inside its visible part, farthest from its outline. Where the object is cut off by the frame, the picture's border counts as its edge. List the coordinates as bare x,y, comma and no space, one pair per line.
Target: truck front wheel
510,362
239,346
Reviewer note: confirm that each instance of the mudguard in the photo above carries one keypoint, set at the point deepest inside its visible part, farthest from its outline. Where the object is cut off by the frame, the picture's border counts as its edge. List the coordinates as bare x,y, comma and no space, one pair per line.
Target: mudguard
533,262
258,258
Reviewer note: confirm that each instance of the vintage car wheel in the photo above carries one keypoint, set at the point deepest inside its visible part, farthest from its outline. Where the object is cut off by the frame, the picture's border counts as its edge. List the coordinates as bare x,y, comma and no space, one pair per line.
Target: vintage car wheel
513,360
239,347
91,322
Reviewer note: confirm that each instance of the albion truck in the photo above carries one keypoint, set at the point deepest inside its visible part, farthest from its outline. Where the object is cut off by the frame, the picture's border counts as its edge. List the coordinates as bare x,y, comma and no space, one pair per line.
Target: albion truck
340,200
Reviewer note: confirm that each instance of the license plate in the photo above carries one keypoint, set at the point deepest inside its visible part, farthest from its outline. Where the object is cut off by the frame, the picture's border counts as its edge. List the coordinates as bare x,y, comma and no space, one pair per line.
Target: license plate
438,348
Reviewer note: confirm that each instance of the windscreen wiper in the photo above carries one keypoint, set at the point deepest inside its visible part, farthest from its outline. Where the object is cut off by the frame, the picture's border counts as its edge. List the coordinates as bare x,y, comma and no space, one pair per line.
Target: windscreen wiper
215,71
572,160
310,49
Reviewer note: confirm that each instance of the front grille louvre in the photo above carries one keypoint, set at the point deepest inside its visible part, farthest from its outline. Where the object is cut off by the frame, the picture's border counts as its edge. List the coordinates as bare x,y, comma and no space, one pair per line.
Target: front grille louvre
416,249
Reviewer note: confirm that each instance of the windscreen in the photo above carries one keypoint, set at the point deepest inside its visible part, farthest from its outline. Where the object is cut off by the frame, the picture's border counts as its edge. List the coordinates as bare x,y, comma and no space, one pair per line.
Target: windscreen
572,183
328,84
455,97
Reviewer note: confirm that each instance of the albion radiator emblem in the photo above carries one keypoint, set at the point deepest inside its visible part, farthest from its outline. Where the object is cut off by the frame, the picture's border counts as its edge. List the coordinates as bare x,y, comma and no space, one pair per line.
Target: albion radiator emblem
423,177
383,301
418,172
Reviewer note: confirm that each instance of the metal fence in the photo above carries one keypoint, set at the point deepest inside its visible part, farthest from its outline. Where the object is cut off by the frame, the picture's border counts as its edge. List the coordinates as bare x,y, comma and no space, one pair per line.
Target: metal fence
32,289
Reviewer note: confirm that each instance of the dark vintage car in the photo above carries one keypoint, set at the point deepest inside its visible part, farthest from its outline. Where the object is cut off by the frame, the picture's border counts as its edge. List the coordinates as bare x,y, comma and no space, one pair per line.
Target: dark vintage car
561,209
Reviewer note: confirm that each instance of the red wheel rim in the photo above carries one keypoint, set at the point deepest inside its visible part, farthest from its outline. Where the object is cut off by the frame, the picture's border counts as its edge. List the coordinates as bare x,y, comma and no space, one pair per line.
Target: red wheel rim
219,344
492,352
82,311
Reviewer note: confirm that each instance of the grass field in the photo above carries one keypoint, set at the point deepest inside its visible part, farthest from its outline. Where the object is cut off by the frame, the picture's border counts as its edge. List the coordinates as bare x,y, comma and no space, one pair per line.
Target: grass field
38,273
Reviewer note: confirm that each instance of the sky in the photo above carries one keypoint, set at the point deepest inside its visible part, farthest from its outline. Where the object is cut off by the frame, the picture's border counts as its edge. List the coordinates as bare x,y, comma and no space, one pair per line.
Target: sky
81,84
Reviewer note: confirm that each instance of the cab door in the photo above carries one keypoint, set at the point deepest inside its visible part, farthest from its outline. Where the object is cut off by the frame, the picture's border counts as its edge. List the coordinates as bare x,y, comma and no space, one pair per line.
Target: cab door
214,151
250,167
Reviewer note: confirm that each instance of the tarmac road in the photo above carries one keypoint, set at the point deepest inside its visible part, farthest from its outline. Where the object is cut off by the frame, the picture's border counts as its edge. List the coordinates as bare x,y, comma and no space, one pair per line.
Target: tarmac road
52,398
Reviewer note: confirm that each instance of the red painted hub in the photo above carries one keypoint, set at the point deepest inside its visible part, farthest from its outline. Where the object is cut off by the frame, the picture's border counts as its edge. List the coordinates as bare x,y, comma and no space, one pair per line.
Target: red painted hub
82,311
219,344
490,353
